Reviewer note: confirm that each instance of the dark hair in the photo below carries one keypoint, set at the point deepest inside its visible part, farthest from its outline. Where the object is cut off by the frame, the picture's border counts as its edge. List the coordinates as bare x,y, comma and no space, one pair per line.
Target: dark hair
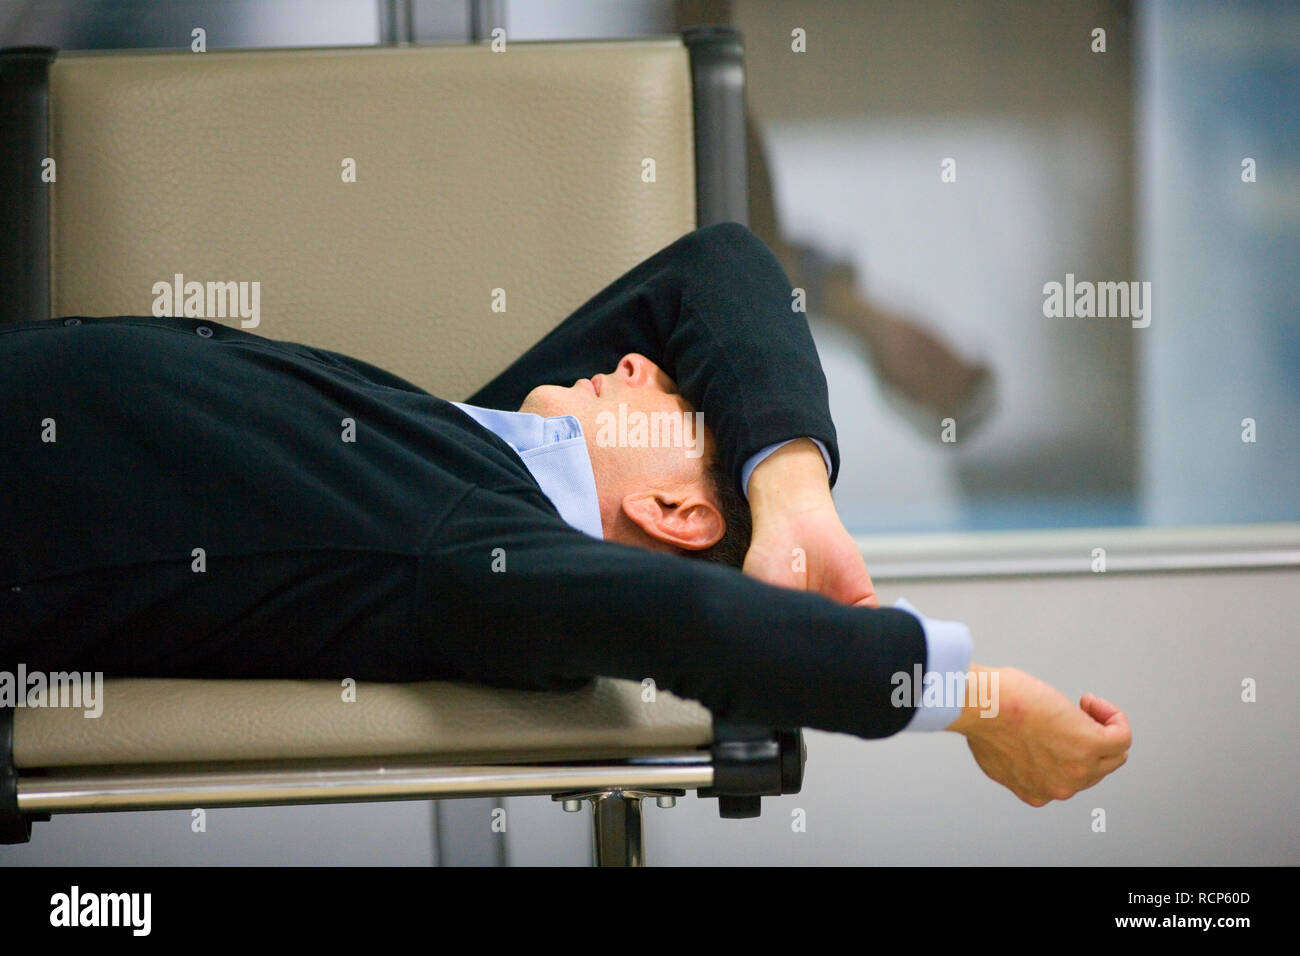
734,543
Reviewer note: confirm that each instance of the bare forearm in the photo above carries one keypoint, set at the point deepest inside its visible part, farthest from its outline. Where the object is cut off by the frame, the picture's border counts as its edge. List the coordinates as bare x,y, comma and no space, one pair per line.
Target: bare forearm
792,477
799,541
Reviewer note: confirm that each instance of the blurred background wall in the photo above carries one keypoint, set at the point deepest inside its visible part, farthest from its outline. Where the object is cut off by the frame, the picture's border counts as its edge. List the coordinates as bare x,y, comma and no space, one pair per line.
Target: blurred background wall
1040,131
1219,86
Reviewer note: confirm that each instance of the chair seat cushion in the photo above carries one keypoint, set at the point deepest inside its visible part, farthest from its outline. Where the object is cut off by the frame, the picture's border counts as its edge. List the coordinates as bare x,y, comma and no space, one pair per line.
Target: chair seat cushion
152,721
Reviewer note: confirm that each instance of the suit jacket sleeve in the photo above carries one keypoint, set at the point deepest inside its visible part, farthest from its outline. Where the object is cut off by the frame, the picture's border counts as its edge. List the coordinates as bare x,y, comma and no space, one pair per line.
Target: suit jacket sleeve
565,606
713,309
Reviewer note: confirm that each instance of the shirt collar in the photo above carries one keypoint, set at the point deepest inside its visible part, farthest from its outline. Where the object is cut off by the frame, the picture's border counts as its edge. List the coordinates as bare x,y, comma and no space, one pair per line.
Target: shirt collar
554,451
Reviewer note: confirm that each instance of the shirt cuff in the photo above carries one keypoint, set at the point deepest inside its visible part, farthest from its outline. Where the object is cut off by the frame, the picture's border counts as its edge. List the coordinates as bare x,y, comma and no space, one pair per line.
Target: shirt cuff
938,702
760,456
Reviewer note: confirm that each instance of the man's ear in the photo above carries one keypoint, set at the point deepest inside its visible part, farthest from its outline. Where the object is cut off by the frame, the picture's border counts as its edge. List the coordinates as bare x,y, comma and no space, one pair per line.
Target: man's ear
683,519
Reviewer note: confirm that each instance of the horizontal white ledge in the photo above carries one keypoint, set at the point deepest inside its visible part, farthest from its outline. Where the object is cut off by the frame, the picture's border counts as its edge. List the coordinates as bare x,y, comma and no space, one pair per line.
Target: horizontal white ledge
1128,550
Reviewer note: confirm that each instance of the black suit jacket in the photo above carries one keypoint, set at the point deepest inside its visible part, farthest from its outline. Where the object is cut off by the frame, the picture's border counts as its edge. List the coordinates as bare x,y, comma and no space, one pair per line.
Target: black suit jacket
178,500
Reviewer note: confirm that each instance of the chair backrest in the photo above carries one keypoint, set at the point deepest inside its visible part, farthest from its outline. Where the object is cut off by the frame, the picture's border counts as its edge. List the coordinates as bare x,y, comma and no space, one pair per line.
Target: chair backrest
494,192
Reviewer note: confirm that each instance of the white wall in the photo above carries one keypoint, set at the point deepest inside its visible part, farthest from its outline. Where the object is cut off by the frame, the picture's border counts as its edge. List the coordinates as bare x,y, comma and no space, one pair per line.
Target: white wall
375,834
1210,780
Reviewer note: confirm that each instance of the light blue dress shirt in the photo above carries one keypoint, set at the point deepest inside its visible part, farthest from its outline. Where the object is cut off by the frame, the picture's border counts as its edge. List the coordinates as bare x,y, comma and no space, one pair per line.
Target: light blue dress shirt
555,452
947,662
759,456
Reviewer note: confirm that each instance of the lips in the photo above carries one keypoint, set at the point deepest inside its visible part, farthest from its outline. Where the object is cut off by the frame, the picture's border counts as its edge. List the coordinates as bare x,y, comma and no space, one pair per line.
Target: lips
595,384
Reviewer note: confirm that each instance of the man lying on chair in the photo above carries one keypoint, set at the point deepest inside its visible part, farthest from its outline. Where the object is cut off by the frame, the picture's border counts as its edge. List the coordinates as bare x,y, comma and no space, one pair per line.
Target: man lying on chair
186,499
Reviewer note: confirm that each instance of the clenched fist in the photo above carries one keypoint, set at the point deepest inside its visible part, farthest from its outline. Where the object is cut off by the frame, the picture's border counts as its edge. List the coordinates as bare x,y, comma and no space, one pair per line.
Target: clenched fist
1040,745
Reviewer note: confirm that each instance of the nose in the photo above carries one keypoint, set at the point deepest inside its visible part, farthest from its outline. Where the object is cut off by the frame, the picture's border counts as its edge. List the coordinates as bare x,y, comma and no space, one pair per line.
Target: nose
639,372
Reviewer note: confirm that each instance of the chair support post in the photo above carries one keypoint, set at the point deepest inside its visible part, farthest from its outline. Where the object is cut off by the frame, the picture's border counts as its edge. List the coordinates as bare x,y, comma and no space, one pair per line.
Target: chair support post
616,829
616,821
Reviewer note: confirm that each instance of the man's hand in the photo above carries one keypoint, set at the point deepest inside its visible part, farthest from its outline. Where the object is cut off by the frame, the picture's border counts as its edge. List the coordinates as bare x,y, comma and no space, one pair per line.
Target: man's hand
1039,745
799,541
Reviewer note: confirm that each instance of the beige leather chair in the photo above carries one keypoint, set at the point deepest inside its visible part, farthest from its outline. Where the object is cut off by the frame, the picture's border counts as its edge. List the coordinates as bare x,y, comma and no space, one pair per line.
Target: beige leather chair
549,169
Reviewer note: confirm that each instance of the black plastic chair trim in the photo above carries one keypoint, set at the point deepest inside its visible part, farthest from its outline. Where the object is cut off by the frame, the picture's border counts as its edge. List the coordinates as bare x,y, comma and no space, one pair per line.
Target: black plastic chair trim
718,88
24,142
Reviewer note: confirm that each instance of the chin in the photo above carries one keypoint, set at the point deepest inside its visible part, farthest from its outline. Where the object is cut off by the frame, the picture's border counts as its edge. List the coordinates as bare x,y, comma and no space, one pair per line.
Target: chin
549,401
